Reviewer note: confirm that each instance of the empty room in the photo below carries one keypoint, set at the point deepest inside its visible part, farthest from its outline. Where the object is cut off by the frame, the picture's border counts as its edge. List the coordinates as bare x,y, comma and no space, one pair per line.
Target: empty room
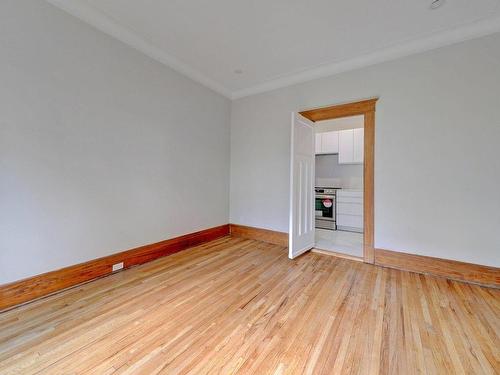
249,187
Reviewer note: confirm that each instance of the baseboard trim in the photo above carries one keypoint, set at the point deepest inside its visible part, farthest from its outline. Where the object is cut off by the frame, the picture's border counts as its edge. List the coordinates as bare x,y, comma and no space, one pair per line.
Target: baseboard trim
260,234
450,269
32,288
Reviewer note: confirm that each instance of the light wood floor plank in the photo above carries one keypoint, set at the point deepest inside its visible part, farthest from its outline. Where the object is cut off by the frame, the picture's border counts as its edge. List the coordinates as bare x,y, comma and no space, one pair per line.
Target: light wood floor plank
238,306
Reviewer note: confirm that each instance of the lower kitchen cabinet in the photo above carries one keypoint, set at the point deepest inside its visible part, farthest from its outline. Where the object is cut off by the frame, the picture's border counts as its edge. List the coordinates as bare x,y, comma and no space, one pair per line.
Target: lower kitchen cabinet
350,210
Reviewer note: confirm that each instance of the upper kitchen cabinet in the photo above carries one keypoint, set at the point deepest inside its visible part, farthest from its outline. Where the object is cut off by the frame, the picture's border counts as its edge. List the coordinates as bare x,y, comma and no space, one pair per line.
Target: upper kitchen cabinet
319,137
351,146
359,145
327,143
330,143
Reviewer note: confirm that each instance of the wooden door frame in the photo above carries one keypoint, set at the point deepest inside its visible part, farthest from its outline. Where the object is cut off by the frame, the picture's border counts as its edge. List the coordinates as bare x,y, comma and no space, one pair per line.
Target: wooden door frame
366,108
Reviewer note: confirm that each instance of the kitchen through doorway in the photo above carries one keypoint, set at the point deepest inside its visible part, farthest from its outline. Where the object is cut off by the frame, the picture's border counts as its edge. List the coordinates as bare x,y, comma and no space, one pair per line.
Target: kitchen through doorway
339,154
333,210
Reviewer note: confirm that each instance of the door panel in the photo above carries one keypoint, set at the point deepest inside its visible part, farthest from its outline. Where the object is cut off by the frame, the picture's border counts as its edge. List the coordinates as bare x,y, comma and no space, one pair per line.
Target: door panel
350,209
301,226
354,222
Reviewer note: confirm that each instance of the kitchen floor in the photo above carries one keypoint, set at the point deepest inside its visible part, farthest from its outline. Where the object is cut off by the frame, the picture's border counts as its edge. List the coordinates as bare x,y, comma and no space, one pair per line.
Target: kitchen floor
349,243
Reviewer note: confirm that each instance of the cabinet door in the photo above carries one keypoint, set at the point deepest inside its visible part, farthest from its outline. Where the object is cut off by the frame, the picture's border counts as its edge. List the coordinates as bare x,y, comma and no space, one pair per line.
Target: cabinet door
355,209
353,222
330,143
346,146
319,137
359,145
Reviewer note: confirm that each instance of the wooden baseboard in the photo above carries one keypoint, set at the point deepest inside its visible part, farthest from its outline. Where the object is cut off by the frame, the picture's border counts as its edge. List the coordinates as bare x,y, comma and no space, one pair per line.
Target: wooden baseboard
266,235
41,285
451,269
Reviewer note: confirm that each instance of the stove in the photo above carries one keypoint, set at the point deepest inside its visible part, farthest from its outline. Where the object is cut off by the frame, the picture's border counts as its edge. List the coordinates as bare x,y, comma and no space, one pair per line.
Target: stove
325,207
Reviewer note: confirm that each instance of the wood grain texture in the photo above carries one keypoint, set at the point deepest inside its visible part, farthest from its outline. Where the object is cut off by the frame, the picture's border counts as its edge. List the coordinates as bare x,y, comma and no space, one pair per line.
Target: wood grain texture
237,306
451,269
341,110
41,285
369,189
266,235
336,254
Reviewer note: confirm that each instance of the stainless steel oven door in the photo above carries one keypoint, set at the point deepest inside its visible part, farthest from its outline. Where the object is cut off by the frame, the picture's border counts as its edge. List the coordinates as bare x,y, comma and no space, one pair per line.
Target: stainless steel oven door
325,207
325,211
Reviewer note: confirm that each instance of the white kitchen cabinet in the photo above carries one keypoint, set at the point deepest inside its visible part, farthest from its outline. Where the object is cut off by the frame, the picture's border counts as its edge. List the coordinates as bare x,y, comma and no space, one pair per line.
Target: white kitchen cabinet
351,223
351,146
359,145
346,146
330,143
350,210
319,137
327,143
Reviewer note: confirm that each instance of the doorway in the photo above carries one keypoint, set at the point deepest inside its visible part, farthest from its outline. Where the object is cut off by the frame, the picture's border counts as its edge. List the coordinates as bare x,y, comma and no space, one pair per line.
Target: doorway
355,200
339,155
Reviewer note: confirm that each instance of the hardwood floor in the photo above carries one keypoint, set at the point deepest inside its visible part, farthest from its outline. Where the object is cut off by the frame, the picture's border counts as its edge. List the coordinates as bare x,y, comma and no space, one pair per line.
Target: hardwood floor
240,306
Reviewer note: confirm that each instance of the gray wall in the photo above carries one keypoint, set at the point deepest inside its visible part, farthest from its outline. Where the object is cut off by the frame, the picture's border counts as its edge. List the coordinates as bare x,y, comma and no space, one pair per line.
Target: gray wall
437,168
101,148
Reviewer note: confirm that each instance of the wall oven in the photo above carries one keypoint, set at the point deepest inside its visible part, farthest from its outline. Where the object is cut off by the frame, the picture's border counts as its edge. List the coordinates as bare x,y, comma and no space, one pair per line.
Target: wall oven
325,208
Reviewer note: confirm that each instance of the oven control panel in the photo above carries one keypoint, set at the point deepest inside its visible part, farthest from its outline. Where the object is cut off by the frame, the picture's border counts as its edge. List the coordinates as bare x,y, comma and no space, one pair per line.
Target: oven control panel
322,190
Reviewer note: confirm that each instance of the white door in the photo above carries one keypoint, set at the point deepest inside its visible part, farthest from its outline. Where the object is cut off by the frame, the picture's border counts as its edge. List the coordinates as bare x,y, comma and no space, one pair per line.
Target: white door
301,227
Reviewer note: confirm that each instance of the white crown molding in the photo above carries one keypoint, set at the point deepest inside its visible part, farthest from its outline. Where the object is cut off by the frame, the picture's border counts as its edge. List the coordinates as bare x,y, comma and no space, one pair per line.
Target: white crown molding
107,25
437,40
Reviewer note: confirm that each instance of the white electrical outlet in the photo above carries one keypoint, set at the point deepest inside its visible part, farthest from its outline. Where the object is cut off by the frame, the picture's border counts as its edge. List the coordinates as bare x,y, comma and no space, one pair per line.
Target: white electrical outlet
117,266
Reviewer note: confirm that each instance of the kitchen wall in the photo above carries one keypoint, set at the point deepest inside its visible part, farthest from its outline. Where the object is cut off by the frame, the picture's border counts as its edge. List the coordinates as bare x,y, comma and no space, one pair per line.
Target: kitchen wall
101,148
437,172
330,173
342,123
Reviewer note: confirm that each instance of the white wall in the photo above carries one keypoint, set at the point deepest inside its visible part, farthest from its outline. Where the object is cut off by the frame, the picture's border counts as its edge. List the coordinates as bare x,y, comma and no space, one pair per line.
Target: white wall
437,155
101,148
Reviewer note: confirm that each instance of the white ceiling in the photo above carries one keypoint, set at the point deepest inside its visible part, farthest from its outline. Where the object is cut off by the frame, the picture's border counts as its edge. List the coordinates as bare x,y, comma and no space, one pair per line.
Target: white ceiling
280,42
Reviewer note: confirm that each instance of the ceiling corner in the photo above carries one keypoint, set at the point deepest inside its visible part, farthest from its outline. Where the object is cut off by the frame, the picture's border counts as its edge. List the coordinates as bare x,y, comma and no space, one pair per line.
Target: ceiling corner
108,26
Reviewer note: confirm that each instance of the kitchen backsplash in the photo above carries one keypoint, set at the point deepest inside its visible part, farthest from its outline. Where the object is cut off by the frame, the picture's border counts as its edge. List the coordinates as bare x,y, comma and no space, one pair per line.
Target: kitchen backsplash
330,173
